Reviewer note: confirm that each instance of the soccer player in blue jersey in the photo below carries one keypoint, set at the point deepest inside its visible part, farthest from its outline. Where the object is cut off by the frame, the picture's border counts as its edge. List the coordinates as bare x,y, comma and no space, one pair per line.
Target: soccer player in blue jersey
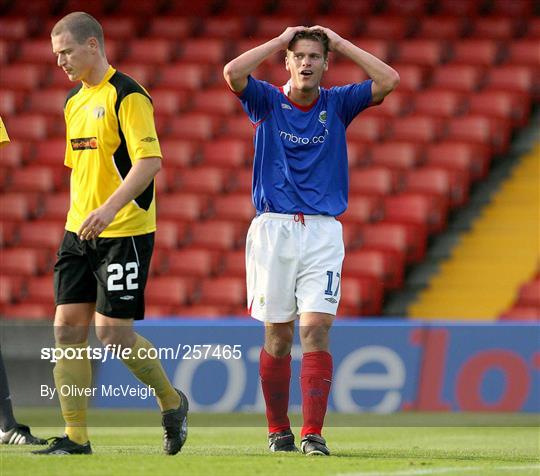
294,248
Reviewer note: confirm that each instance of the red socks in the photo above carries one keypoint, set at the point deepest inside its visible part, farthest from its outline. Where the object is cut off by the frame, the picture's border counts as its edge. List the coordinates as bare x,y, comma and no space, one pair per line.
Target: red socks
275,375
315,380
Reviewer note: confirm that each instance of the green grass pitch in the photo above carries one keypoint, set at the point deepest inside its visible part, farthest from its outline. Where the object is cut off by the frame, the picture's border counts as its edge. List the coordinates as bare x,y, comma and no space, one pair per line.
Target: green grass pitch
402,444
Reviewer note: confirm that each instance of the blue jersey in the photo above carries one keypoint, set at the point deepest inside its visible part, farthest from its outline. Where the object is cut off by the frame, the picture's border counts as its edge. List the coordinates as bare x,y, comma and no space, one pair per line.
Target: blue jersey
300,162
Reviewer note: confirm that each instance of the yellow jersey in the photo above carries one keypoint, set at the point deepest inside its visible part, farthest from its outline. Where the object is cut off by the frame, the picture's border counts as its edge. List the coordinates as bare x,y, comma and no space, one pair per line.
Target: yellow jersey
109,127
4,138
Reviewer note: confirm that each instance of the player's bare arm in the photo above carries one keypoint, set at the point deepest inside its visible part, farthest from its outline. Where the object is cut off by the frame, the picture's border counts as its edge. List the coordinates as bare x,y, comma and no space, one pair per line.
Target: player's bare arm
136,181
237,71
385,78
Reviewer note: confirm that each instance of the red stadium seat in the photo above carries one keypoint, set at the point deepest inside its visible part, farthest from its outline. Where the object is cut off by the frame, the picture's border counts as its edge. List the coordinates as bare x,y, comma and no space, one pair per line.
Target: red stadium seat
234,264
376,181
167,290
40,290
441,27
228,153
22,76
524,52
36,51
235,207
141,8
387,237
533,28
307,7
26,127
422,52
421,129
456,77
15,28
396,104
156,311
120,27
346,25
500,104
169,101
214,235
6,51
170,27
476,52
50,152
363,209
495,28
342,74
196,263
357,154
142,73
11,288
24,262
409,8
150,51
272,26
48,101
203,51
169,234
192,126
511,78
396,156
521,313
9,103
360,297
352,9
387,27
182,76
439,103
205,180
378,47
216,101
15,207
41,234
523,8
434,181
471,128
460,156
55,206
178,153
17,154
416,209
34,179
239,127
459,8
376,264
226,27
201,311
224,291
242,181
367,129
35,312
8,234
411,77
529,294
181,207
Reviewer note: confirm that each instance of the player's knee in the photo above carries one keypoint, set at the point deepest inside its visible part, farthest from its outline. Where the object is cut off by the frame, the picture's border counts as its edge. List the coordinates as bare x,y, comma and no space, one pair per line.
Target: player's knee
70,334
278,340
314,337
119,336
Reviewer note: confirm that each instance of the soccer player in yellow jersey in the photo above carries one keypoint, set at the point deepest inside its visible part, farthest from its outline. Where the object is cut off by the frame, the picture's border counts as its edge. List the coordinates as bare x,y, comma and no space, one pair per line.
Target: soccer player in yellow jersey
11,432
102,267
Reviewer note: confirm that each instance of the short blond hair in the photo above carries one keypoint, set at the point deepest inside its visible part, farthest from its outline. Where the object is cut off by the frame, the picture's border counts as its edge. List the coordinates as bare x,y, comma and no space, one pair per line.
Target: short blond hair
82,26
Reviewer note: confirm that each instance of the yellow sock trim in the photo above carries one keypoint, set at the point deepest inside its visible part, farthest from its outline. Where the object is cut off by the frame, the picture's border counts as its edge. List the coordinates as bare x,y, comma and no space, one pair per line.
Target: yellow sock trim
150,372
70,376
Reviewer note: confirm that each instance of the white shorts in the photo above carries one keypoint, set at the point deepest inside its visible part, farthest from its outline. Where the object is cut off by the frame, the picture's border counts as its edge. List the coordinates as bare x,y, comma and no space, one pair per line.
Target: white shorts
293,267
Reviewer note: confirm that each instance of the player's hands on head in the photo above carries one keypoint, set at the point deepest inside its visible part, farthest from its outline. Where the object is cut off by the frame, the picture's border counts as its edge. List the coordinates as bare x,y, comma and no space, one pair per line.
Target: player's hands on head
96,222
289,33
333,38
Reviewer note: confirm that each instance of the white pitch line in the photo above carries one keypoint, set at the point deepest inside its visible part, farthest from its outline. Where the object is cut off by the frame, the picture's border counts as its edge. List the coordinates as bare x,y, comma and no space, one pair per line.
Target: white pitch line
419,472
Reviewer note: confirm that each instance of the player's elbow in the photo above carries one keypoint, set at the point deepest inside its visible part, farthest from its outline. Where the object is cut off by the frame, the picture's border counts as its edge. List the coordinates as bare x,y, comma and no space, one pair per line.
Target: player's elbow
391,81
230,73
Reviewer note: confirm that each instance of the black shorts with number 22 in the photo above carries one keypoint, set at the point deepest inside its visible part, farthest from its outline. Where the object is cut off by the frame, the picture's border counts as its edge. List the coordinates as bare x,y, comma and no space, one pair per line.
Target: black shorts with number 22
111,272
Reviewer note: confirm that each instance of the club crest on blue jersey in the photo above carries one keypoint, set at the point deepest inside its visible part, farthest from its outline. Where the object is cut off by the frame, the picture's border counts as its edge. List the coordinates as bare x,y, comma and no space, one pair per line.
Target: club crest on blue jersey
322,117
